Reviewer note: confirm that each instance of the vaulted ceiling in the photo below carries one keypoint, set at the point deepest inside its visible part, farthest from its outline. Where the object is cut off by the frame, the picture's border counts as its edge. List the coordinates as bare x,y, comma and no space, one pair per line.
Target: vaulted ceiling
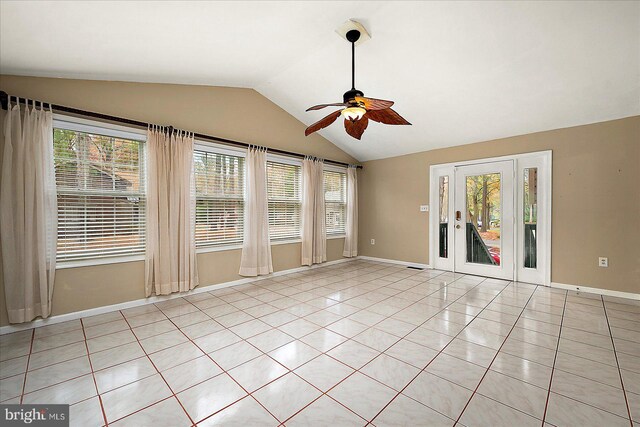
461,72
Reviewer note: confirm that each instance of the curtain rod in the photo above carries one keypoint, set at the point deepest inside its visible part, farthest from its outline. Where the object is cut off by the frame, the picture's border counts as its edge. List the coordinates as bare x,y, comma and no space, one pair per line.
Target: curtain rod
4,101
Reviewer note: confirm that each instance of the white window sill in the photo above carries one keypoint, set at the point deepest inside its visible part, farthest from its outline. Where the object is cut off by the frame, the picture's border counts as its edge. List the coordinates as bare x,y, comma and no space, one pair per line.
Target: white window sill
98,261
220,248
133,258
285,242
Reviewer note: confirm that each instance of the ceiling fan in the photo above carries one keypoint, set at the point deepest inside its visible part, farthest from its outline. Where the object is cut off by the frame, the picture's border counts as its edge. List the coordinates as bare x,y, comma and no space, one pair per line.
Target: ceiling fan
357,110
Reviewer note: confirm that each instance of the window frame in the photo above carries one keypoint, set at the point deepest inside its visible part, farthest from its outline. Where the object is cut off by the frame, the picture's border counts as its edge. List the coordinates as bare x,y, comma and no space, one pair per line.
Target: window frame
77,124
213,148
293,162
343,170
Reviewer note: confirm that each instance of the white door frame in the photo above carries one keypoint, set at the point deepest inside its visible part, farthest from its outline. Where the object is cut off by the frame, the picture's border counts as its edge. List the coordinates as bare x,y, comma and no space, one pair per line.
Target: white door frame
541,160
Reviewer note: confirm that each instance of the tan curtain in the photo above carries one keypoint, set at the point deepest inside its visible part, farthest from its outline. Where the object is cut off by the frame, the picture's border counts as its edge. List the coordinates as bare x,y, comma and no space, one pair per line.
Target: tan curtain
314,231
28,212
351,238
170,243
256,248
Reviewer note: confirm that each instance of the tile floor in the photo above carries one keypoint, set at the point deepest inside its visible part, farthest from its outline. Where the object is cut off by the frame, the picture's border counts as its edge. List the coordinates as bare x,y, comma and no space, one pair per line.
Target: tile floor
352,344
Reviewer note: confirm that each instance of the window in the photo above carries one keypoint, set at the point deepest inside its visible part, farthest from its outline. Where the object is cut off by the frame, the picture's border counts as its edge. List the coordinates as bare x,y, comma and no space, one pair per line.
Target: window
285,203
335,201
101,193
219,182
530,216
443,209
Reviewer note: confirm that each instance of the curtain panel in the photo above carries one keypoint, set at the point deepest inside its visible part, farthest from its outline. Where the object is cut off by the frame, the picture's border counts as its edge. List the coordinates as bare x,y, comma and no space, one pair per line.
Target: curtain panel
170,247
256,247
314,230
28,212
351,223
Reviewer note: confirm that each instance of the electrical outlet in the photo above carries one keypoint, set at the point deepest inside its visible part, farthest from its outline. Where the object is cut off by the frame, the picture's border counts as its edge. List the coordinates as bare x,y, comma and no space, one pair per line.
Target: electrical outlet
424,208
603,262
373,241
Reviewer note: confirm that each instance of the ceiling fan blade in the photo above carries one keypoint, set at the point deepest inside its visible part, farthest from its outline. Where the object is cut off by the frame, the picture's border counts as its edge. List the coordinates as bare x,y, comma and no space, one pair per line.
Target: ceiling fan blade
322,123
356,129
373,104
321,106
387,117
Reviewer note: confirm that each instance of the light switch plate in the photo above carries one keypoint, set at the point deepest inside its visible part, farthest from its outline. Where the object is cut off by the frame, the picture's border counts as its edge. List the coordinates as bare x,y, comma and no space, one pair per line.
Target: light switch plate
603,262
424,208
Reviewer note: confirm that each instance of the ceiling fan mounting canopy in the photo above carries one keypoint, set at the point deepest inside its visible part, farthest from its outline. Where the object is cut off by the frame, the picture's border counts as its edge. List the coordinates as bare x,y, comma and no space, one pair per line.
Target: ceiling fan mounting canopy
356,109
353,35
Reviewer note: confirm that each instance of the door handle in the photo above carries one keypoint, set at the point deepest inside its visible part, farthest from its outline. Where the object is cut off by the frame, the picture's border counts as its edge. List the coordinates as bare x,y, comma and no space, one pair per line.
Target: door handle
457,225
458,215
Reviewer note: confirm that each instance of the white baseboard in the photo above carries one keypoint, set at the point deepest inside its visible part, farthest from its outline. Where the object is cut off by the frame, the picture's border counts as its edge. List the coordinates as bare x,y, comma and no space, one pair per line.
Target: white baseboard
135,303
394,261
599,291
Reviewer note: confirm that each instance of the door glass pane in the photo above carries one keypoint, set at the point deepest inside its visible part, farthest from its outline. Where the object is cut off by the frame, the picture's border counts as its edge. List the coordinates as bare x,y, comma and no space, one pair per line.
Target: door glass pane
483,219
530,216
444,216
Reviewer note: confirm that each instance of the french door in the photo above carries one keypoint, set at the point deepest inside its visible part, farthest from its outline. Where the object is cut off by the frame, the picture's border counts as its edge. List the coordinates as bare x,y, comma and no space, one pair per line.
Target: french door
492,217
483,219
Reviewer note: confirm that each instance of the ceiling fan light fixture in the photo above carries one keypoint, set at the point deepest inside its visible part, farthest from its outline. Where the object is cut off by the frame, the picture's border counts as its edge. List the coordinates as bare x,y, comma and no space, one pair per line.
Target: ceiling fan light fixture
353,113
357,109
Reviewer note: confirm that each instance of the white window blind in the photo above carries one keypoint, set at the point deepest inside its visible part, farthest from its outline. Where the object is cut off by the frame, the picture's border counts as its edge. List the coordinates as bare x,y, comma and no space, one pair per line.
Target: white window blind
219,182
101,194
285,201
335,201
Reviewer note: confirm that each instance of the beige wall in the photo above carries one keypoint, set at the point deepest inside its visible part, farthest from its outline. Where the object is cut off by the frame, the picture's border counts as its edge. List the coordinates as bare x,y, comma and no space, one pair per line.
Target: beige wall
233,113
595,207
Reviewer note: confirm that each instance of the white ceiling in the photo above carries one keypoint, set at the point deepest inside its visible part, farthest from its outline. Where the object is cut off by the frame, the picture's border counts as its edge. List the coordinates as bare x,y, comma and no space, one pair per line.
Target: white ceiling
461,72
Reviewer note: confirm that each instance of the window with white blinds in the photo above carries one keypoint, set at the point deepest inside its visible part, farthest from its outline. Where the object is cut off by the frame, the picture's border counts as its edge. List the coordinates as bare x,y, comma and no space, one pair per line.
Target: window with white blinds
285,201
101,194
219,182
335,201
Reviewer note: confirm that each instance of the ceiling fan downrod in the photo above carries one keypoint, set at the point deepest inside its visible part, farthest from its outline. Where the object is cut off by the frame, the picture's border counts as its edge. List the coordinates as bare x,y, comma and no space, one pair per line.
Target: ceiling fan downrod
352,36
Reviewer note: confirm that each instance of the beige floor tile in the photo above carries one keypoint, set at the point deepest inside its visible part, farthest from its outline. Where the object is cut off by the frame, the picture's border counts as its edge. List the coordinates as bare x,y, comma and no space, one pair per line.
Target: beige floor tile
363,395
326,412
167,412
390,371
246,412
403,411
456,370
563,411
210,396
483,411
517,394
286,396
439,394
